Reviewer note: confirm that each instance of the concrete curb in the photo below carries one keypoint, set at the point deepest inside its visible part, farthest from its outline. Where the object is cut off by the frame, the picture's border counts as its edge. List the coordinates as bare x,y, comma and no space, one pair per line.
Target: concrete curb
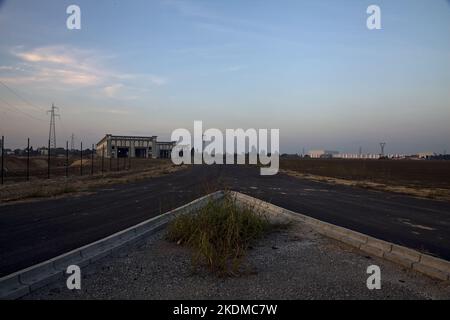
30,279
406,257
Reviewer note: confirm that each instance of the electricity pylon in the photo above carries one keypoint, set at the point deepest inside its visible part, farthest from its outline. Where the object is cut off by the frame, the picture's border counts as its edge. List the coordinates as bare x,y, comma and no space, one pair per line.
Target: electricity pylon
52,131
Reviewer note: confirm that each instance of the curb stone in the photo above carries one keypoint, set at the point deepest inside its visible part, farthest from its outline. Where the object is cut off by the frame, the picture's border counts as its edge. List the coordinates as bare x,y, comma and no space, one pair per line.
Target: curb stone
408,258
25,281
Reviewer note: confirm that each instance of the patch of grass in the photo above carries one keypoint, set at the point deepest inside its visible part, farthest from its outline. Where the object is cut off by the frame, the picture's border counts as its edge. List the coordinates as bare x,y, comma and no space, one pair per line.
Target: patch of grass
50,192
219,234
57,186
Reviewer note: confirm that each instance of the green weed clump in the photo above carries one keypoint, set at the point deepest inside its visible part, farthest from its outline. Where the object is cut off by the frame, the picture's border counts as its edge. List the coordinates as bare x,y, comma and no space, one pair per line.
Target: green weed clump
219,234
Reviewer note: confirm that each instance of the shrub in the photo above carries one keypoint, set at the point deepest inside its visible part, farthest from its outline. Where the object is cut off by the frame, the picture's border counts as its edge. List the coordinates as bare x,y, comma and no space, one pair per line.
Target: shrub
219,234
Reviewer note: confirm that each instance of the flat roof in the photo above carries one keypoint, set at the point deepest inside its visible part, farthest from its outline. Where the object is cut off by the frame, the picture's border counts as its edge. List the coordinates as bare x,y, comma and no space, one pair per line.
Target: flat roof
126,137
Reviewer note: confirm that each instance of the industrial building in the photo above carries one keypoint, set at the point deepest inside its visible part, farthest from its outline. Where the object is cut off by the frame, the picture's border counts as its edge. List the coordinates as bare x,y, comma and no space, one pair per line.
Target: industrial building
323,154
112,146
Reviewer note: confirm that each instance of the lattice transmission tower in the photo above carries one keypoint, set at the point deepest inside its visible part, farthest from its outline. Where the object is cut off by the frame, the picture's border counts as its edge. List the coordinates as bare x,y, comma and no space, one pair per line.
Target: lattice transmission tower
52,131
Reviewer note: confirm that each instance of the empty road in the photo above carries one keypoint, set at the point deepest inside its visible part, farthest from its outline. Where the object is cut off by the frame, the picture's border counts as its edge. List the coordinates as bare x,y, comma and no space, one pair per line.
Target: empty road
32,232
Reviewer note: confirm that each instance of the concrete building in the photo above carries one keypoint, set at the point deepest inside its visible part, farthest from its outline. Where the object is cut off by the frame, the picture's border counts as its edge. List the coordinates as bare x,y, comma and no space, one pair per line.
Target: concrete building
425,155
323,154
112,146
357,156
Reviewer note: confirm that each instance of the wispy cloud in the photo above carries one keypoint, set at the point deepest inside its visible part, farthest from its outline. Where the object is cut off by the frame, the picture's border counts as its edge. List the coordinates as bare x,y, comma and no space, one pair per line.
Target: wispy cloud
57,64
204,17
119,112
190,9
68,67
45,55
112,90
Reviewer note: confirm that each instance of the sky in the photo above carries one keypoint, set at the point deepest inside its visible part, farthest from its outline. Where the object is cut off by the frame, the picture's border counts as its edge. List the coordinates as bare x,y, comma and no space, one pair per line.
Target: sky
309,68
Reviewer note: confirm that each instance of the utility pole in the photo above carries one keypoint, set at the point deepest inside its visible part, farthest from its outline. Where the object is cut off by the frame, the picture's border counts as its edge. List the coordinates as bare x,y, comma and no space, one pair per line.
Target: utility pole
92,160
52,131
382,145
3,158
81,159
48,159
28,160
67,159
72,143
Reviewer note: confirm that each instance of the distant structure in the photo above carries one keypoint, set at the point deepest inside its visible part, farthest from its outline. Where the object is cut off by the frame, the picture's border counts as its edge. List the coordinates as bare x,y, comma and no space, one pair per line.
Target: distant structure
425,155
315,154
112,146
382,145
52,131
328,154
72,142
358,156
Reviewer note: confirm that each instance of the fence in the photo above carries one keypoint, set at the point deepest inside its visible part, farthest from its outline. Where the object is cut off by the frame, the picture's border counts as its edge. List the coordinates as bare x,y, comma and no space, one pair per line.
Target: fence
49,163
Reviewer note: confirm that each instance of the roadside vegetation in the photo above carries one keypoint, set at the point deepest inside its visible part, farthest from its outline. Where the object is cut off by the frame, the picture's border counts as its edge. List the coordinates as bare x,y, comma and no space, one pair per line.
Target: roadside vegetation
59,186
220,234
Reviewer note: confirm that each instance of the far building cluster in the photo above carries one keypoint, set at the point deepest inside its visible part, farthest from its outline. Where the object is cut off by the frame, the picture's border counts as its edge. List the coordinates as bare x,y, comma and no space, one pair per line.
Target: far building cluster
331,154
121,146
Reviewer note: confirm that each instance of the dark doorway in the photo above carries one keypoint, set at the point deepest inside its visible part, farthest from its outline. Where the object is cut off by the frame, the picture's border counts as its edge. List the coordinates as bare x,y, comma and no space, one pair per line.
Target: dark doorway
164,154
122,152
140,153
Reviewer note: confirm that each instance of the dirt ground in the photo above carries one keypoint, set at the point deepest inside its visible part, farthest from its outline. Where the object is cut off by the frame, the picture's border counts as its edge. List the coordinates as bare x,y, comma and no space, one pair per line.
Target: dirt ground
16,166
294,263
60,185
426,179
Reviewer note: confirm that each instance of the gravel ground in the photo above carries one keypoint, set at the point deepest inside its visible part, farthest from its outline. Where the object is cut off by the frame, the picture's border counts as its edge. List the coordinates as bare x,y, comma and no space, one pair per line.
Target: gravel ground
295,263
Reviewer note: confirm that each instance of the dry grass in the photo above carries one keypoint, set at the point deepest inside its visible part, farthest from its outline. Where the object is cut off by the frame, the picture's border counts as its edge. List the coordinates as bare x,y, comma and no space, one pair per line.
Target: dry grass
425,179
41,188
422,174
442,194
219,234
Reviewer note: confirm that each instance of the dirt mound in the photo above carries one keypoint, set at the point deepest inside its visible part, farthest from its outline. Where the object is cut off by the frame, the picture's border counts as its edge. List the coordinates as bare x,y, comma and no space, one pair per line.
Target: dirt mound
77,163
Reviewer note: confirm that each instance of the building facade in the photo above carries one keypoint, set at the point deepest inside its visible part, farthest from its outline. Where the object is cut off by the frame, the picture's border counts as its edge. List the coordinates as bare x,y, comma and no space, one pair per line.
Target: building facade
323,154
112,146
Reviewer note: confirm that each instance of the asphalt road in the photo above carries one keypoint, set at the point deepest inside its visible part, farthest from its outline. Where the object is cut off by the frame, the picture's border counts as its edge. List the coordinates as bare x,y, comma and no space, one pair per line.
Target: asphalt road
33,232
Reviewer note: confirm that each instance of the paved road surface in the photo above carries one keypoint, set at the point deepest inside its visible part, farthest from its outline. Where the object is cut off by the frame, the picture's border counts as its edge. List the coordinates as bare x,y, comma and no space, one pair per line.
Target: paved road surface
36,231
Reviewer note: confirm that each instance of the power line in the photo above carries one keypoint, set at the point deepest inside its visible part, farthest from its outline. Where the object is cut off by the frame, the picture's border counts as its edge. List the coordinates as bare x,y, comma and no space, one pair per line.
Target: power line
19,110
21,97
14,108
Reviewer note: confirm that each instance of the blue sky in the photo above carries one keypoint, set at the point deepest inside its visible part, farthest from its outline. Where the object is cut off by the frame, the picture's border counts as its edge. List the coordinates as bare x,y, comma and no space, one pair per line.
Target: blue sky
310,68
